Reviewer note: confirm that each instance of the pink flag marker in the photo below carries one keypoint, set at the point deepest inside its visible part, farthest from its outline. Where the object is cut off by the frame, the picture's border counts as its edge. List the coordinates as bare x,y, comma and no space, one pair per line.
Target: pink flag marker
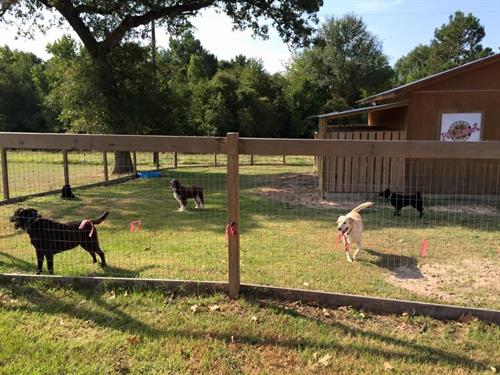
423,248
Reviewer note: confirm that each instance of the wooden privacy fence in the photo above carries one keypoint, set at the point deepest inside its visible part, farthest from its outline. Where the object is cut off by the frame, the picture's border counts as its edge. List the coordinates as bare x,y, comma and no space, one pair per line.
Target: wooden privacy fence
233,147
358,174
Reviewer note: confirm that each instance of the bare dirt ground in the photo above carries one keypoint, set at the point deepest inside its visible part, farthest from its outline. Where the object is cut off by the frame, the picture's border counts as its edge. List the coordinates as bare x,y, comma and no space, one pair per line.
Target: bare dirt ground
301,189
446,282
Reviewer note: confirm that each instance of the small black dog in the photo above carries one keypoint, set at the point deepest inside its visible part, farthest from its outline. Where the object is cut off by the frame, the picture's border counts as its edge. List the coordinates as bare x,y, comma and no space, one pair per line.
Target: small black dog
399,201
50,237
66,192
183,193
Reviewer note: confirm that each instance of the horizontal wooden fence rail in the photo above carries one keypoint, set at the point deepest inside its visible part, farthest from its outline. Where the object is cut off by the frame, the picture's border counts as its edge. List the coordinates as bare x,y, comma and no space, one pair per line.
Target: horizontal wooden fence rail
113,142
252,146
407,149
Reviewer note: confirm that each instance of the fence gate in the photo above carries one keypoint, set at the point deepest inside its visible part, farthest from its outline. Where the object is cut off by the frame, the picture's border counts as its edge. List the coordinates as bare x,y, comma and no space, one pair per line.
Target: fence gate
353,174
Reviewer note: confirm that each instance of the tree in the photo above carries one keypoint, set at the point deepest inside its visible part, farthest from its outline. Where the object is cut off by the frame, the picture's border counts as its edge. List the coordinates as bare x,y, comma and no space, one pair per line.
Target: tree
455,43
20,102
103,25
413,66
345,64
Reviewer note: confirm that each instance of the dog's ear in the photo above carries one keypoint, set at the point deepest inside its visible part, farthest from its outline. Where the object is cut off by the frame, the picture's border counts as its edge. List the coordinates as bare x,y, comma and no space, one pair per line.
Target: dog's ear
350,220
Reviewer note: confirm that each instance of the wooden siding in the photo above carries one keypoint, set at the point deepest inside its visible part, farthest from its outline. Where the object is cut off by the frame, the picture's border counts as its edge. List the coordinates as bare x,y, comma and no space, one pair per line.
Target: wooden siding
353,174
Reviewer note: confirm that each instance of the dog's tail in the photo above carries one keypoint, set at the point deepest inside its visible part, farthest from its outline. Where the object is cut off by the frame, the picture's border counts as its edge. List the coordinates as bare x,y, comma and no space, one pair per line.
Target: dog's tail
101,218
362,206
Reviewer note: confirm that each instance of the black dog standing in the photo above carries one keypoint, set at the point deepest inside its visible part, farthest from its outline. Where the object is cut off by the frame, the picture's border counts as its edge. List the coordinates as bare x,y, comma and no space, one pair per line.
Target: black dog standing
50,237
398,201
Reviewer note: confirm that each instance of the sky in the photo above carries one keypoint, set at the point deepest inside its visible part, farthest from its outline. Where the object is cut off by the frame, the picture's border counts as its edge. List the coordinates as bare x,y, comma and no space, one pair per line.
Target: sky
399,24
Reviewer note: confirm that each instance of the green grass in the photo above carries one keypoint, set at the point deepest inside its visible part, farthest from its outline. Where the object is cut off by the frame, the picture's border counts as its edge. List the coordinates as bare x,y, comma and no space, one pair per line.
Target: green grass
282,244
74,330
33,172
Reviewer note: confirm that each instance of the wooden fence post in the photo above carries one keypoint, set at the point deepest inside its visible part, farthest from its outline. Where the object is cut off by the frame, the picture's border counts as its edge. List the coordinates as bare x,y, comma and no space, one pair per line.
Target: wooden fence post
251,159
215,159
284,159
105,162
5,175
233,212
134,155
66,167
322,134
174,156
157,160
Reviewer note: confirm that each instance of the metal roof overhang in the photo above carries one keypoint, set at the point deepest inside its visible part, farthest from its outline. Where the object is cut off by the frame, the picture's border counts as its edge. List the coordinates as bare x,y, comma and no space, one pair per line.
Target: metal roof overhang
357,111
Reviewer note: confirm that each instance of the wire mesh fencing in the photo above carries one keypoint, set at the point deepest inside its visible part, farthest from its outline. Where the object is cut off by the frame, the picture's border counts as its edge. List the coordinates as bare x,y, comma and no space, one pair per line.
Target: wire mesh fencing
144,235
288,211
434,238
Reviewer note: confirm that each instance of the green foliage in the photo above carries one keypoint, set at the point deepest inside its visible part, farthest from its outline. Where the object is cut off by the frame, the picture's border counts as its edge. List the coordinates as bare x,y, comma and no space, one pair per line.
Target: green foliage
345,64
144,106
455,43
120,89
19,99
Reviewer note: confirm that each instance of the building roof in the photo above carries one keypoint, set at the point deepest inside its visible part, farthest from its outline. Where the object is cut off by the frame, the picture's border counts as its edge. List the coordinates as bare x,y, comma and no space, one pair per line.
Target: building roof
431,79
357,111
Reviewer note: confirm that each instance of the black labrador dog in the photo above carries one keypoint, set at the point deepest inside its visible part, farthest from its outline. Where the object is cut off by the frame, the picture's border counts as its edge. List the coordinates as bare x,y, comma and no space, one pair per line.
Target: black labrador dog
50,237
399,201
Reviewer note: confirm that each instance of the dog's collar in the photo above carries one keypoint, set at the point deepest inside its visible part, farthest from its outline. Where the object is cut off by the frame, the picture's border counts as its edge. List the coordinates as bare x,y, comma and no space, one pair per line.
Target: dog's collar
31,222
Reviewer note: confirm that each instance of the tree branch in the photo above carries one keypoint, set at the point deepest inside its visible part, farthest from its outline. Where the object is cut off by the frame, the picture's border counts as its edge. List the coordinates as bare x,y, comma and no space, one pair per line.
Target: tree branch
68,11
129,22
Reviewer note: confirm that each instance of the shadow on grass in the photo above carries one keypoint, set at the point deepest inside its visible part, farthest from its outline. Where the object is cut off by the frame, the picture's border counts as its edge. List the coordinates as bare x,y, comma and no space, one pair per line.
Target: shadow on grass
120,272
9,261
421,353
111,315
403,267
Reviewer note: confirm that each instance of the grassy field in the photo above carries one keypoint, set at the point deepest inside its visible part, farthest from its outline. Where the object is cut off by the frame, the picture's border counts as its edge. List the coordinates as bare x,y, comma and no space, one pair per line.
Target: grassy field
283,243
39,171
73,330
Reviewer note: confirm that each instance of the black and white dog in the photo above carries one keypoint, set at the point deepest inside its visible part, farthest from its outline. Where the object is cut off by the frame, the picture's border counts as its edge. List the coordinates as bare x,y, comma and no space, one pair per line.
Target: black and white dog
50,237
183,193
398,201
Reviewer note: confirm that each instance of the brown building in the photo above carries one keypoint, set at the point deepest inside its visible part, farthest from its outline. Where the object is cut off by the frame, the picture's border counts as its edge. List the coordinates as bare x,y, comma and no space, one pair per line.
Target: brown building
460,104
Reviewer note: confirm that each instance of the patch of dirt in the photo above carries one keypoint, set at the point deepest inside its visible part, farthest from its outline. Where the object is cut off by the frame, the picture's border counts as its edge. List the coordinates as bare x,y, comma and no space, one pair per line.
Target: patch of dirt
462,209
301,189
440,280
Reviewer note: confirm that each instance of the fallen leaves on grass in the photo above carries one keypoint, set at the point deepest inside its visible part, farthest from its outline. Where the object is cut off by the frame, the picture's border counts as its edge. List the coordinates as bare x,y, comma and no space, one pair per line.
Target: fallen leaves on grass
388,366
214,308
194,309
254,319
133,340
324,361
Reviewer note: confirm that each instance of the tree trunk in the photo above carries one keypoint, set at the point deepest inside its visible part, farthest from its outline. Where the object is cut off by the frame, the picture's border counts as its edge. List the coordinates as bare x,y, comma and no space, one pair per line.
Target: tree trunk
123,163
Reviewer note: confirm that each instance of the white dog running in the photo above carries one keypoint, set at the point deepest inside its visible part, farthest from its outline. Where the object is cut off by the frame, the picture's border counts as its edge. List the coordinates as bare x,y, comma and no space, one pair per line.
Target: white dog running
351,227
